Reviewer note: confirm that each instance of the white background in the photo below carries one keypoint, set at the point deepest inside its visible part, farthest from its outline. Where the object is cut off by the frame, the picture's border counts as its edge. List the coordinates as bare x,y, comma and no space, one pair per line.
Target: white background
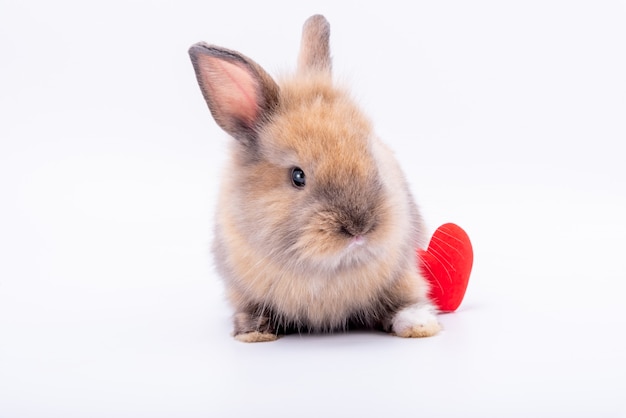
508,117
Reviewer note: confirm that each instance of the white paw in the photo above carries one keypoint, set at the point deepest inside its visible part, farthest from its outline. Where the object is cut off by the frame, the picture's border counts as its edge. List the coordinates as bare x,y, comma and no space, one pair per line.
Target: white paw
415,321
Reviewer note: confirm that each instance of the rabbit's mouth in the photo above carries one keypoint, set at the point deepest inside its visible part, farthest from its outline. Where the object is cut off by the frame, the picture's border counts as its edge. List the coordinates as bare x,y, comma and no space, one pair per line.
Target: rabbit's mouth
357,241
357,250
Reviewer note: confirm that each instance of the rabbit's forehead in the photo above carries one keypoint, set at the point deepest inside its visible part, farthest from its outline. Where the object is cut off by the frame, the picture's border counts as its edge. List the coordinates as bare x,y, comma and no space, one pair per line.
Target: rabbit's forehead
321,130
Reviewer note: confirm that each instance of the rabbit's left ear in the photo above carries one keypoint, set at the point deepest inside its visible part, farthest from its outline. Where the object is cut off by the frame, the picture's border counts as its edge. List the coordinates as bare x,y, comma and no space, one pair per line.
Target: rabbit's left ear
240,94
315,46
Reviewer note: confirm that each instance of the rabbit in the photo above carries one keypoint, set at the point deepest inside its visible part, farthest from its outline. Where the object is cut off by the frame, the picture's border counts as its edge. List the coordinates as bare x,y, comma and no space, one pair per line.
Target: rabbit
316,229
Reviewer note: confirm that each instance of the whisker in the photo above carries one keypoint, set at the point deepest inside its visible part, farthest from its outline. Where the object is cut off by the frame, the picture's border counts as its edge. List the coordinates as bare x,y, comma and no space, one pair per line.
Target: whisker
432,273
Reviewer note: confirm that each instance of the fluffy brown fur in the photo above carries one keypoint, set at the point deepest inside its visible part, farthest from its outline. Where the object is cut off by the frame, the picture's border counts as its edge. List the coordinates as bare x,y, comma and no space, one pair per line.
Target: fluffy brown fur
336,253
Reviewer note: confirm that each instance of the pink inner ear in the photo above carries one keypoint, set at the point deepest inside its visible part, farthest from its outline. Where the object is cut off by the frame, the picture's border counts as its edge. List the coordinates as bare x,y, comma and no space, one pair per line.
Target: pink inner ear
232,90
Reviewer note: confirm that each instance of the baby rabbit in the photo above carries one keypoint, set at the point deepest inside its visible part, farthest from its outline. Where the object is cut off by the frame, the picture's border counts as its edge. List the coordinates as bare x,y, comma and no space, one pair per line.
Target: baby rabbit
316,228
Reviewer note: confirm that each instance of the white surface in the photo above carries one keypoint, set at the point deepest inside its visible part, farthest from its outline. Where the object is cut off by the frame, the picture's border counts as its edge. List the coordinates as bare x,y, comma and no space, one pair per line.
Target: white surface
509,118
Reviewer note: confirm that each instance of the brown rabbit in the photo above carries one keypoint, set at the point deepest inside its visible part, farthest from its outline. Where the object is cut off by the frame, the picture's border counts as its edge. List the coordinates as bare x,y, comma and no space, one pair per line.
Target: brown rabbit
316,228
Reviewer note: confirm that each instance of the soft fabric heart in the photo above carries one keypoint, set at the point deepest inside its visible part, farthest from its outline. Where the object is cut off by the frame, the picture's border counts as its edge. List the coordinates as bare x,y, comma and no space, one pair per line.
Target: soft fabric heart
447,264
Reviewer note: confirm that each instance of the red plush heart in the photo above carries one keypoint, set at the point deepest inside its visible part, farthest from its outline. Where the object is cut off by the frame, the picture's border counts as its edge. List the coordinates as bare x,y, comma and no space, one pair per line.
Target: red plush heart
447,264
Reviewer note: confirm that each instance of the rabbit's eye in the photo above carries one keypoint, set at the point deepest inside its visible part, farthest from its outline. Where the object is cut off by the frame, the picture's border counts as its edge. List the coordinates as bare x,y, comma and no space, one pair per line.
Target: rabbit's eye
297,177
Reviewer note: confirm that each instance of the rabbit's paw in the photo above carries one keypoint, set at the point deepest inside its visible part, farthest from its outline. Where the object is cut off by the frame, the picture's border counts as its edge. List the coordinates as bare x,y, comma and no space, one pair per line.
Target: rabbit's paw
256,337
415,321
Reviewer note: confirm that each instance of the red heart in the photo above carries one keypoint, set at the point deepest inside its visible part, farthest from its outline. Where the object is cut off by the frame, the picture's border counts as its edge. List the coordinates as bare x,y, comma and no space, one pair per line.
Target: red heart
447,264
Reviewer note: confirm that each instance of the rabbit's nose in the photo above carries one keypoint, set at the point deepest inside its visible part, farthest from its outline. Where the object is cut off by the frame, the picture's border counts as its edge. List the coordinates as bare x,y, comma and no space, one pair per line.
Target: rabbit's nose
357,225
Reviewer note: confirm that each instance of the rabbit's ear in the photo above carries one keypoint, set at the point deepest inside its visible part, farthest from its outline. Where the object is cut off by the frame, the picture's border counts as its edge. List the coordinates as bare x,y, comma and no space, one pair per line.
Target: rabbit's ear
314,47
240,94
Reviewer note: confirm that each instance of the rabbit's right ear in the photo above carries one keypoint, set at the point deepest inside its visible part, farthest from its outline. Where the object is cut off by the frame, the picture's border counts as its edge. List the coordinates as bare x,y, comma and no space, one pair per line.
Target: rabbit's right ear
240,94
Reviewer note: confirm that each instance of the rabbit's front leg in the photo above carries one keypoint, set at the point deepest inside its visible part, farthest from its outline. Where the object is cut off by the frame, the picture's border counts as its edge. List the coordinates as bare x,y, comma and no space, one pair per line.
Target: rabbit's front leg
414,321
251,328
